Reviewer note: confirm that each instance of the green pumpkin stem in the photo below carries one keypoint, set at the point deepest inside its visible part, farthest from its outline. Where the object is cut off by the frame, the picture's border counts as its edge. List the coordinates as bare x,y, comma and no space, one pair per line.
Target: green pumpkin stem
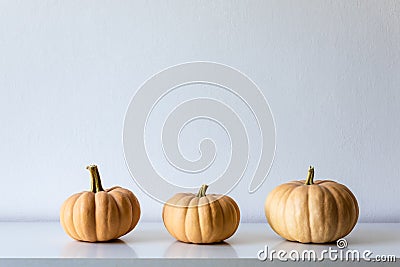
310,176
96,182
202,191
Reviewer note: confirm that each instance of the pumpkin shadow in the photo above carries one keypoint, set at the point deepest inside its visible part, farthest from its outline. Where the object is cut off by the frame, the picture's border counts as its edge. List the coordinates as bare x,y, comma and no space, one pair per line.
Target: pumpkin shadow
365,236
112,249
186,250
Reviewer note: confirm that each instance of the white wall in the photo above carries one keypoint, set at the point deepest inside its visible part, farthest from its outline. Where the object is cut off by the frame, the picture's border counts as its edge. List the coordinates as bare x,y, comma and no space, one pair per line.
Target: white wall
329,69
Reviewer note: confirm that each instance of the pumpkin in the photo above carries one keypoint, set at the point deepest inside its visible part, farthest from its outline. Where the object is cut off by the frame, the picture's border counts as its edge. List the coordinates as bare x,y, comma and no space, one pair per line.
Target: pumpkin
312,212
99,215
201,218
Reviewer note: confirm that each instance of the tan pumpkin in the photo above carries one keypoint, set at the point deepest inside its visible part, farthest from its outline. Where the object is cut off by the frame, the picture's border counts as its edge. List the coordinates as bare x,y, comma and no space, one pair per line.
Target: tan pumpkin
99,215
201,218
311,212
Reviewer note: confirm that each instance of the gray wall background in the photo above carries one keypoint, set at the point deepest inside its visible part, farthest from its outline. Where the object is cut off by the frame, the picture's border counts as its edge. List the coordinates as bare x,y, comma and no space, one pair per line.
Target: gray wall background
68,69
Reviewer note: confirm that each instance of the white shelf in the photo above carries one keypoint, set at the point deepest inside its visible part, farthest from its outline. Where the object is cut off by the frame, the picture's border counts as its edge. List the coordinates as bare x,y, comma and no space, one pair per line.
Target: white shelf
25,243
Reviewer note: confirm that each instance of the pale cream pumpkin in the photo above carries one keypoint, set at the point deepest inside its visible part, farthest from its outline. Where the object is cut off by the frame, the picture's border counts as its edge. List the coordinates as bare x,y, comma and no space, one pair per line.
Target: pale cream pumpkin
201,218
100,215
312,212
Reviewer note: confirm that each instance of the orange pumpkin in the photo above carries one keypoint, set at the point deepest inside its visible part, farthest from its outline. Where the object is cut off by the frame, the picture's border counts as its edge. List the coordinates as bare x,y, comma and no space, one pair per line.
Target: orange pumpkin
312,212
201,218
98,214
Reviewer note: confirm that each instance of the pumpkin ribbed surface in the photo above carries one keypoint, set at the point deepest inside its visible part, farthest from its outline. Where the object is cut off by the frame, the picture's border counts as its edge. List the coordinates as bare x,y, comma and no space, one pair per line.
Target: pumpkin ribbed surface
101,215
317,212
206,219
